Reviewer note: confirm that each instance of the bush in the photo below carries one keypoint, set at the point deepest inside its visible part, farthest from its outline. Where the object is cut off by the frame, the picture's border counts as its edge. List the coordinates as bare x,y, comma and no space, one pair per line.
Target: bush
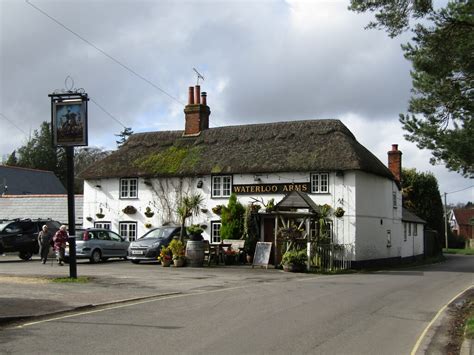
295,257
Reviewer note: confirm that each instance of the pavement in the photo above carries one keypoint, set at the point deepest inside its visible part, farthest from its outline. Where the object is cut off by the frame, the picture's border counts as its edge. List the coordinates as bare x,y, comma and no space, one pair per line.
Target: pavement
29,293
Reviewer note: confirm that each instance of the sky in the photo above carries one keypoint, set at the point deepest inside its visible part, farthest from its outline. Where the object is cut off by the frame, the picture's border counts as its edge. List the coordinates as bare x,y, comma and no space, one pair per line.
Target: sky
263,61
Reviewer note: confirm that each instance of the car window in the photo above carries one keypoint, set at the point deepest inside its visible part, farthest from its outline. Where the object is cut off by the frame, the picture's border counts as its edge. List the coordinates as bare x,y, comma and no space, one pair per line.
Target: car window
52,225
159,233
92,235
102,235
14,227
28,227
115,237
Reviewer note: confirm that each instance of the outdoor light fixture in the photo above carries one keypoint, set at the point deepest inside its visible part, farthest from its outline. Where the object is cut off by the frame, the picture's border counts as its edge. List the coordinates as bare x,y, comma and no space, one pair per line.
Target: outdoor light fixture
199,184
257,178
98,186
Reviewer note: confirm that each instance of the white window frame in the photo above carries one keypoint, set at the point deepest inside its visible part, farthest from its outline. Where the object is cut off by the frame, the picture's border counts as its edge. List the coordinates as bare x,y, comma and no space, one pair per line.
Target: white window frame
103,225
221,186
128,230
319,183
215,234
128,188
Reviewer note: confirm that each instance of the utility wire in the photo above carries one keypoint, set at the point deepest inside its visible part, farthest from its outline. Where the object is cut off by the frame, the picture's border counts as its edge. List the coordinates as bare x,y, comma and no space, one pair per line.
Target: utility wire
453,192
107,112
5,117
105,53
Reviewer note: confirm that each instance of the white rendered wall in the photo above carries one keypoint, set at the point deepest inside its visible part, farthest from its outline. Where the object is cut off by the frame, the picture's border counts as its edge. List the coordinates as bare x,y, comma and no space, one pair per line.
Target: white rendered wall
414,243
376,218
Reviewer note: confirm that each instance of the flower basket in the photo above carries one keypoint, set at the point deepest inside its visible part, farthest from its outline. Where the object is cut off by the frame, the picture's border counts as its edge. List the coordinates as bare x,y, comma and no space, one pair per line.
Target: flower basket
148,225
129,210
217,209
89,219
339,212
178,262
165,262
149,213
99,215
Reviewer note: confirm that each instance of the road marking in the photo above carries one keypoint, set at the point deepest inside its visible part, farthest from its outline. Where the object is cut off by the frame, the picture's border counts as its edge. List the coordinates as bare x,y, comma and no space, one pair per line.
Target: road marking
420,338
125,305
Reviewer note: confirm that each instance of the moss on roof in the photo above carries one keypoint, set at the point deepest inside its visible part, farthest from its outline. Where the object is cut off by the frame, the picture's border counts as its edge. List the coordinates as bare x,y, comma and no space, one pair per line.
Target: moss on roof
313,145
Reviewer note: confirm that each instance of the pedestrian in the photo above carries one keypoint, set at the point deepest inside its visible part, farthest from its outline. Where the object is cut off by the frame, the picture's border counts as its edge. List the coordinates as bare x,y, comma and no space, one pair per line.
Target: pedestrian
60,239
45,240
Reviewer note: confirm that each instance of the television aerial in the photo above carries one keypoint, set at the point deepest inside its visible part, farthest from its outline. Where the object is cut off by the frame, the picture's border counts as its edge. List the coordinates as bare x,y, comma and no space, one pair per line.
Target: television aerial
199,76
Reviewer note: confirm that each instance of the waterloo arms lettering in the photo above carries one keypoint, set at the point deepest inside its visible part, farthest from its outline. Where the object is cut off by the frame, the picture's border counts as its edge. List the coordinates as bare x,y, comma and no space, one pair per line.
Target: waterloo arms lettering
270,188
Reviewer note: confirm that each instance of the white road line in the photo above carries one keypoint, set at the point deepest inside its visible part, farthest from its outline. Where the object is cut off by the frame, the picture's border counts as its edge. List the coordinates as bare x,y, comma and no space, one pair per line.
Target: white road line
420,339
125,305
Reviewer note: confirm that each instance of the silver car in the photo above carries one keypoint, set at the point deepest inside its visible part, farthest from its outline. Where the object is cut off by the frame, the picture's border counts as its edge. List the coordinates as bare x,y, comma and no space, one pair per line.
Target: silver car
99,245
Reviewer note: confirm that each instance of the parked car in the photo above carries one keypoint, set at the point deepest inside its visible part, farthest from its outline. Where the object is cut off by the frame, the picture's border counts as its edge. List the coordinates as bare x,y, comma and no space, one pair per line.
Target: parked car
148,246
21,235
99,245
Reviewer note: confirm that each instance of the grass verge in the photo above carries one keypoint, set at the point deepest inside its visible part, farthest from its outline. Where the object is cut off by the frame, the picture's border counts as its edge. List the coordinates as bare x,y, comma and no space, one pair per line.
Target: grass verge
79,280
459,251
470,327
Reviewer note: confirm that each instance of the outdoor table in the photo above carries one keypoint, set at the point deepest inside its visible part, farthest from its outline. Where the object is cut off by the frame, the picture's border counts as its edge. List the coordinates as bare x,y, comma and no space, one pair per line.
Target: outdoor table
218,249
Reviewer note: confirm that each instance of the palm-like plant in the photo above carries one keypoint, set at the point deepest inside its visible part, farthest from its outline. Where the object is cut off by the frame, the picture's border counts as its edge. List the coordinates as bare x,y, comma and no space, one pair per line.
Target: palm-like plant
187,207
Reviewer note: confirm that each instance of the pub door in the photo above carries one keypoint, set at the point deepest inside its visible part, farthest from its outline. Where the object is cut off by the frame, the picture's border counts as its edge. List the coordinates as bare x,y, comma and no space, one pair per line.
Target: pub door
269,236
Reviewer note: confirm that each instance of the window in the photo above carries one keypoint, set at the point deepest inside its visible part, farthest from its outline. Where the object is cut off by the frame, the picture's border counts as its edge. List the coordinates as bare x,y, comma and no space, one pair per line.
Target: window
129,188
415,229
216,232
409,229
319,183
102,225
389,238
128,230
221,186
394,199
404,232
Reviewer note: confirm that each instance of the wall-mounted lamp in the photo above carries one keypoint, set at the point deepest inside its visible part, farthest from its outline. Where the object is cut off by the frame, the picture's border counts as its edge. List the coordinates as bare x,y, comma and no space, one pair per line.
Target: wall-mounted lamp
98,186
199,184
257,178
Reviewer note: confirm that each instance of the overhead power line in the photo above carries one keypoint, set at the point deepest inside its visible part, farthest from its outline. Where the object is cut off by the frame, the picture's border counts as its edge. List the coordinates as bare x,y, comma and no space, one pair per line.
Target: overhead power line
13,123
126,67
466,188
107,112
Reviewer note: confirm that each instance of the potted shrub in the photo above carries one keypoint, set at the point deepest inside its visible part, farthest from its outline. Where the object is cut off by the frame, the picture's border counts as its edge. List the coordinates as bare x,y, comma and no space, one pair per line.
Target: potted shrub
294,260
149,213
230,256
177,250
195,246
195,232
165,256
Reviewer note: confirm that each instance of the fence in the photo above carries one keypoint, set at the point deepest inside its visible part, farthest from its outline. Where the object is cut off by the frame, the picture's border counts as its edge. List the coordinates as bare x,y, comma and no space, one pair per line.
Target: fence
331,257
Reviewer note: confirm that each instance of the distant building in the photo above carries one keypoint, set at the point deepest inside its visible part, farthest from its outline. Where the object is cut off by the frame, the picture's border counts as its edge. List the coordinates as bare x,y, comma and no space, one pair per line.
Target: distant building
40,206
461,221
22,181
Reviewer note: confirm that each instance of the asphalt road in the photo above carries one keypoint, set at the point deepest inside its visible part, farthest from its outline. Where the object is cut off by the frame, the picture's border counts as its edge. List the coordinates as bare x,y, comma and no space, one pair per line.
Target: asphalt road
376,313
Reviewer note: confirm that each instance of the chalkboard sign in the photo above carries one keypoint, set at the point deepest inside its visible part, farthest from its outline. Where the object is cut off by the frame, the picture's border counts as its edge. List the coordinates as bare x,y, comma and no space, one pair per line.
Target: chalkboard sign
262,254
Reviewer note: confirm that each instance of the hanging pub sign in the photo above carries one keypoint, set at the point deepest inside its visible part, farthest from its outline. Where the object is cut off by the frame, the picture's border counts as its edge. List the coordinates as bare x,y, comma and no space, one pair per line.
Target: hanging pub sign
271,188
69,119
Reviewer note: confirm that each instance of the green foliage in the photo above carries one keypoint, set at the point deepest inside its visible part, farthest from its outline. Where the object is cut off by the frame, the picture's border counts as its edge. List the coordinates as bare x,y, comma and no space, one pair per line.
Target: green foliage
440,111
188,206
195,229
232,219
127,132
295,257
421,196
171,160
12,159
177,248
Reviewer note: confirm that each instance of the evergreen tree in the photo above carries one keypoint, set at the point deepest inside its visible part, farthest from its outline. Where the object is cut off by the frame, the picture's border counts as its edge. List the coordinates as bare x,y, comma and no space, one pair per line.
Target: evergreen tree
440,111
421,196
12,159
232,219
127,132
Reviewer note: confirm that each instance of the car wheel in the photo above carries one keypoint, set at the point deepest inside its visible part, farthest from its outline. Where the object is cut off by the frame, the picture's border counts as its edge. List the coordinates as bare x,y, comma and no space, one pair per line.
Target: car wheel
135,261
25,255
95,256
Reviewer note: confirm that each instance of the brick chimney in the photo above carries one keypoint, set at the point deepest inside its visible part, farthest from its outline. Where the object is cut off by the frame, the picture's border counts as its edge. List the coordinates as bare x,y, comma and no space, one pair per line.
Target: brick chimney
196,112
395,162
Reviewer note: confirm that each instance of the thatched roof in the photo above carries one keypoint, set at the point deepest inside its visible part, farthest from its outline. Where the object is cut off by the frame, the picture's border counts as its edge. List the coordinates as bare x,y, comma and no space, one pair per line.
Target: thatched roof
295,146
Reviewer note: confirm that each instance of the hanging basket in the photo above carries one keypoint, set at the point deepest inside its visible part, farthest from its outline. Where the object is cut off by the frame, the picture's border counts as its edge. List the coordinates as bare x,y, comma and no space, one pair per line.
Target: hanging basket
129,210
339,212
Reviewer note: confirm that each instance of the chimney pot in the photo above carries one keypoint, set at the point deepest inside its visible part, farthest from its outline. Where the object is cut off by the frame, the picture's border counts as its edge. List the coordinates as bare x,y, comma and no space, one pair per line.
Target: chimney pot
204,98
198,94
394,147
191,96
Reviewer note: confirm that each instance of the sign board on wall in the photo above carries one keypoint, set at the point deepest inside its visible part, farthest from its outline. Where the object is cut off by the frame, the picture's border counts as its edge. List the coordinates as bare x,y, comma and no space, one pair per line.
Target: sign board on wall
271,188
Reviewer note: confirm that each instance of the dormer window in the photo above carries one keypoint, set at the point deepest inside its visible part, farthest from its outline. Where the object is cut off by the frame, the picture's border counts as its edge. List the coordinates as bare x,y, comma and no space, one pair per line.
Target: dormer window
319,183
128,188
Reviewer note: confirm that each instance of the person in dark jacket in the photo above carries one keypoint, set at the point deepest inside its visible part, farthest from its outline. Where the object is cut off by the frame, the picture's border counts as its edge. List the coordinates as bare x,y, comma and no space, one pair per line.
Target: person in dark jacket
45,240
60,239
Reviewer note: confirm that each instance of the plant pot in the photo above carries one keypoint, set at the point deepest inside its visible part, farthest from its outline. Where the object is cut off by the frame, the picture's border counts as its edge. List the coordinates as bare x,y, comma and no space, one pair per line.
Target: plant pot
178,262
165,263
149,214
99,215
293,267
229,259
195,253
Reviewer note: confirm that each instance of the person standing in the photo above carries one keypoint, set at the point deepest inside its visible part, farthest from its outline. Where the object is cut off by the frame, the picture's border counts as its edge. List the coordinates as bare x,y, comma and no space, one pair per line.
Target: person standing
44,240
60,239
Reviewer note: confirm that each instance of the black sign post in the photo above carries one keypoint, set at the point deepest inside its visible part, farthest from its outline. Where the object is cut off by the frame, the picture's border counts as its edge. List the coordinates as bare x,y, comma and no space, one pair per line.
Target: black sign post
69,129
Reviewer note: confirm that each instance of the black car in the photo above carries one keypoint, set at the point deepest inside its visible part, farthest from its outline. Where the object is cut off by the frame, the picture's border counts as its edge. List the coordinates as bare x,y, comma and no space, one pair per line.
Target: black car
21,235
148,246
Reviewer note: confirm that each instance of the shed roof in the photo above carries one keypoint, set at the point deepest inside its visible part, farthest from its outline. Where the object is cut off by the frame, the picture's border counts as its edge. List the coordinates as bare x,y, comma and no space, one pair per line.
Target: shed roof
408,216
24,181
312,145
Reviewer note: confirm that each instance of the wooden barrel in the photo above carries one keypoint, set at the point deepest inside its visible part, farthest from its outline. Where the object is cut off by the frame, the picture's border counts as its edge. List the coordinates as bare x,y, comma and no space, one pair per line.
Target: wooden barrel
195,253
